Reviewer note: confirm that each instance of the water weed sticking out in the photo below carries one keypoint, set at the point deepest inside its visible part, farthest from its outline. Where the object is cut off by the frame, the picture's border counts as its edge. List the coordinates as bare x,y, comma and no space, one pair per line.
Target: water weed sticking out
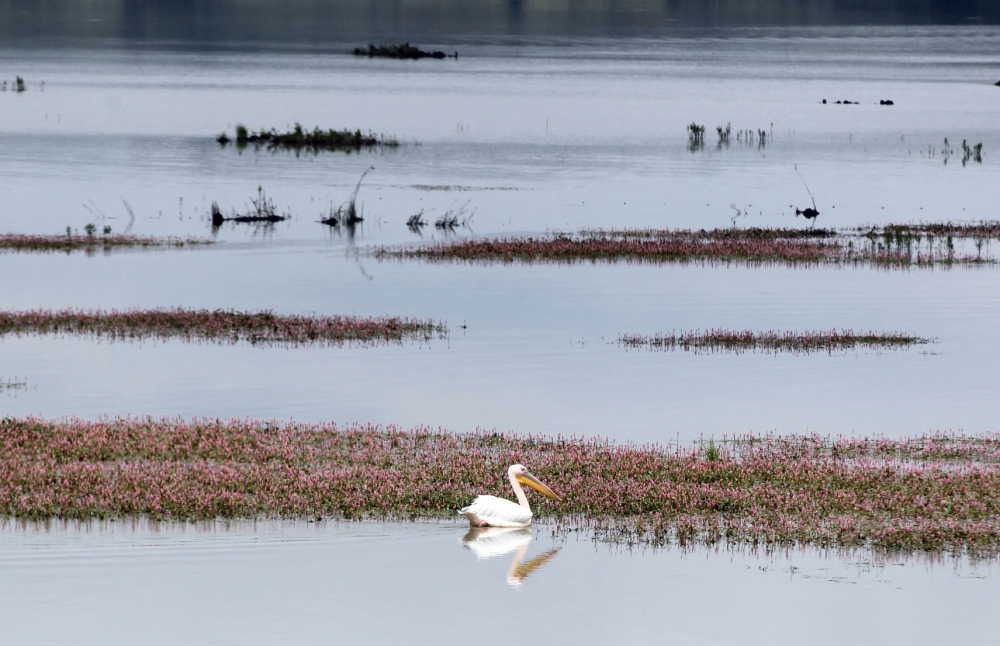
69,242
316,140
261,210
771,341
219,326
455,217
348,213
13,383
934,493
696,136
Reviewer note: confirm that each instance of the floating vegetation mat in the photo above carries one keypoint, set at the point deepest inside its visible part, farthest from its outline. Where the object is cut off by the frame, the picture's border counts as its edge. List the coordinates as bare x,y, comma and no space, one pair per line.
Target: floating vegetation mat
721,340
21,242
748,246
219,326
317,139
932,493
400,51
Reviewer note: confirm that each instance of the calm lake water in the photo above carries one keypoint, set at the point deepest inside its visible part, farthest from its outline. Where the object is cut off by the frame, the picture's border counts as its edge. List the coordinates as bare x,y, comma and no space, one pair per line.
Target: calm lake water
531,137
545,122
417,583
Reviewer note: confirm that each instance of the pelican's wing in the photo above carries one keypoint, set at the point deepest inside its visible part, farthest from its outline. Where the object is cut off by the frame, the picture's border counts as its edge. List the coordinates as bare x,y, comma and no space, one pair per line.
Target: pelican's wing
498,510
488,542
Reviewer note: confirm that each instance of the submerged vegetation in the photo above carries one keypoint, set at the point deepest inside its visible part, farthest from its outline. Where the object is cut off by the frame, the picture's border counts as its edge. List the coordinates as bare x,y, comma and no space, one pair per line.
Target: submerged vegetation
90,242
298,138
932,493
401,51
721,340
752,246
219,326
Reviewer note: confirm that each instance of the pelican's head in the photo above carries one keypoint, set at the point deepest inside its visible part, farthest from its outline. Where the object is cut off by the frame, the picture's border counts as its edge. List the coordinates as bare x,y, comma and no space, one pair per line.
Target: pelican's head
520,473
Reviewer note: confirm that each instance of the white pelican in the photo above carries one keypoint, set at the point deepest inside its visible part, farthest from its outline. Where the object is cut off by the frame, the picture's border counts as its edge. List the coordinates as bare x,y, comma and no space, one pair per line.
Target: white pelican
490,511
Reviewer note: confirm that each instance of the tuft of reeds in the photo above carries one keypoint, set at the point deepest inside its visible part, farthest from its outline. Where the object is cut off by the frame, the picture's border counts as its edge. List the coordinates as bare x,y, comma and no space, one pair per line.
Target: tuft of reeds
696,136
219,326
400,51
68,242
722,340
298,138
347,213
13,383
455,217
416,222
261,210
935,493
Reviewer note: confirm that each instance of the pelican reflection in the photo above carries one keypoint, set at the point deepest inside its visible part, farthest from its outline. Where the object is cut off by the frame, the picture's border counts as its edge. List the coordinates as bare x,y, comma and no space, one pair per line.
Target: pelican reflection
490,542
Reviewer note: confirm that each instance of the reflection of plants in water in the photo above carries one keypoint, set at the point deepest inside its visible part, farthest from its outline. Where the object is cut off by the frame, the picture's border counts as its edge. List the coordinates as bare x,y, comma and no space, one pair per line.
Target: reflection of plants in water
738,341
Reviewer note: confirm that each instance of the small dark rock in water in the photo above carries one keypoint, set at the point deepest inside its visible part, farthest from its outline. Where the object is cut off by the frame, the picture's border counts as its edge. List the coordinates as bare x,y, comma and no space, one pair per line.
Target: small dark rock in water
403,51
886,102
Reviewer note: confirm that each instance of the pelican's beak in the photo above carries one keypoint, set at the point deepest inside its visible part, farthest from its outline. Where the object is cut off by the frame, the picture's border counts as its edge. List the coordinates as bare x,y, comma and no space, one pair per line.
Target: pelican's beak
536,484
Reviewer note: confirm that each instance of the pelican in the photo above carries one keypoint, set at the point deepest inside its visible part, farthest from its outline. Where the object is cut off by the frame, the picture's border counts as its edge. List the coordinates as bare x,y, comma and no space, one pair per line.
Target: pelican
490,511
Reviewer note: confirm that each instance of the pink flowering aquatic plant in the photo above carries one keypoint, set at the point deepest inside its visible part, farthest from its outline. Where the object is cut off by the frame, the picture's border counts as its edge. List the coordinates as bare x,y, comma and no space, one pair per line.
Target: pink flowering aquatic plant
722,340
220,326
937,493
792,247
26,243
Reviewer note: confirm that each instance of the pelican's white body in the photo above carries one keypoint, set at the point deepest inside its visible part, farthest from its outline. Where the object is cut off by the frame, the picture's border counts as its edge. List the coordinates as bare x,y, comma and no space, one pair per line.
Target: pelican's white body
499,512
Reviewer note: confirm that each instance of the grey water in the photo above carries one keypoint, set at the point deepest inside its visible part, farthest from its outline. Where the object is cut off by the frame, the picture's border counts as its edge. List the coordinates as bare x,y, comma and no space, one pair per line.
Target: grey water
552,118
549,133
418,583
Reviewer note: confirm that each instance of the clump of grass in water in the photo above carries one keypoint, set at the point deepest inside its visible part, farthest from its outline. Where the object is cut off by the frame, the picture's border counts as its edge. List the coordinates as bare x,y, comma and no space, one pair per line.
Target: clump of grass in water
722,340
317,139
347,213
696,136
262,210
934,493
219,326
400,51
13,383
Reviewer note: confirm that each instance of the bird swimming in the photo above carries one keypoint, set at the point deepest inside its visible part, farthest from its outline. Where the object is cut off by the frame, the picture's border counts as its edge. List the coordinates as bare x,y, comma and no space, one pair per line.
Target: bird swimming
490,511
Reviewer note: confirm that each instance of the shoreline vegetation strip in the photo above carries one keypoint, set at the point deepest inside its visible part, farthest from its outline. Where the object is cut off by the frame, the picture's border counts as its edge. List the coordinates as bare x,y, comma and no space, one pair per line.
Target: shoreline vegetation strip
934,493
24,242
720,340
220,326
